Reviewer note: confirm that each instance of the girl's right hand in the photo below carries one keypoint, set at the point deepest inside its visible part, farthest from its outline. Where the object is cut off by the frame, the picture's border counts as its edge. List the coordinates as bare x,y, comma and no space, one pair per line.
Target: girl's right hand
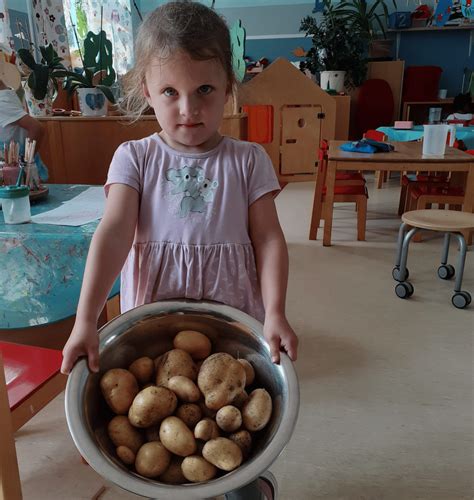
83,341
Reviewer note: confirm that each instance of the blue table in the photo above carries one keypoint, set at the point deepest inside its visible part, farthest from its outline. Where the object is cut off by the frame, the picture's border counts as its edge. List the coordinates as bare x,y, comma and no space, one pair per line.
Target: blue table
466,134
42,265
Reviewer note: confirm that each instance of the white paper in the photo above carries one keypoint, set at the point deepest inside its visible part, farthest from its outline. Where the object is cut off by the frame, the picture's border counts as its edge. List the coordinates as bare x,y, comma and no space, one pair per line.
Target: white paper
86,207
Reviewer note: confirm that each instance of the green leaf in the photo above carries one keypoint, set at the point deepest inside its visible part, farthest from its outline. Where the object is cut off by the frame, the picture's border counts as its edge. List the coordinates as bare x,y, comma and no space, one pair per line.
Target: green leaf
26,57
107,92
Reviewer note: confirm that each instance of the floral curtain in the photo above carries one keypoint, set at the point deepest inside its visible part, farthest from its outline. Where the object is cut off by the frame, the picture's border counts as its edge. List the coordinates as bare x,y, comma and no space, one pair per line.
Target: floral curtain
115,18
6,40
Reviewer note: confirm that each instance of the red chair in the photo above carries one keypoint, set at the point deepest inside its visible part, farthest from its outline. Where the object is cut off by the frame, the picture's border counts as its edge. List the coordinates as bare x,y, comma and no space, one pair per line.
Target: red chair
29,380
374,106
421,83
342,178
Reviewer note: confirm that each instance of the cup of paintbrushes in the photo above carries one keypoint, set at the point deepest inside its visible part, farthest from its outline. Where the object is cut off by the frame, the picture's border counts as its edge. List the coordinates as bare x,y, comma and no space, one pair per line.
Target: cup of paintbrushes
10,173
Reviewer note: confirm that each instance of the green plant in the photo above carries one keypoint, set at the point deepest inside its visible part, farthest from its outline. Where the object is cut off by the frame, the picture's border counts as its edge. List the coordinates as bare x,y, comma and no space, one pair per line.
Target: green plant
365,20
335,47
47,71
86,79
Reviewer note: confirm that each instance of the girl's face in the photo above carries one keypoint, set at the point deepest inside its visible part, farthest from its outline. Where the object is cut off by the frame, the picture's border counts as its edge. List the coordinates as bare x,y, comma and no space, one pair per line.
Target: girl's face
188,97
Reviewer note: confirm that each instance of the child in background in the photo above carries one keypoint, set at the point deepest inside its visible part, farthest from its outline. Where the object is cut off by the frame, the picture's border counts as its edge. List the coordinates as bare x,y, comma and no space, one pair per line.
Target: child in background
16,124
190,213
462,107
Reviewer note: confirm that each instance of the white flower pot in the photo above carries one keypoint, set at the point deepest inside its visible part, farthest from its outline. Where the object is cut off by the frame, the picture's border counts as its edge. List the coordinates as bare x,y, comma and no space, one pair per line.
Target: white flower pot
92,102
38,107
332,80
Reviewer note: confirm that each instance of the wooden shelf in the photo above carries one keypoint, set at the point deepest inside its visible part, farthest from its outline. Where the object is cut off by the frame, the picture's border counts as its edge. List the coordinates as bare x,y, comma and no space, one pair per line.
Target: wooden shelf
433,28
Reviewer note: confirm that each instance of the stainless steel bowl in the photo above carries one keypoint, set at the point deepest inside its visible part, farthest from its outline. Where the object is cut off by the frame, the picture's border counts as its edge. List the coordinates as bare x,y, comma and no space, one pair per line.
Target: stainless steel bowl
149,330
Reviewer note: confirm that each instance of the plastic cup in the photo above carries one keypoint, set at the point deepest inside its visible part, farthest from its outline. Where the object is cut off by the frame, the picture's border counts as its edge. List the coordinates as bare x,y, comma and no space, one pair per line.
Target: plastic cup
434,140
434,115
452,134
442,93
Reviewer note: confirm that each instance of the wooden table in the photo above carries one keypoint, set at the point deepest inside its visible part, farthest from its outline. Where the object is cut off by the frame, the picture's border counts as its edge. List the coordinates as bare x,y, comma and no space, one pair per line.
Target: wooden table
407,156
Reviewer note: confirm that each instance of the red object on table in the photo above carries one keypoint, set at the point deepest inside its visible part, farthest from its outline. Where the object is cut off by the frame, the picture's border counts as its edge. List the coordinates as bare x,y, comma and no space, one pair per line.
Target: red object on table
27,369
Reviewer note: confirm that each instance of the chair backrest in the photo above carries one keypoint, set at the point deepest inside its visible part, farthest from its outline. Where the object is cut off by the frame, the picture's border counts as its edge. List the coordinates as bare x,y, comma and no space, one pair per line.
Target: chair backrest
374,105
421,83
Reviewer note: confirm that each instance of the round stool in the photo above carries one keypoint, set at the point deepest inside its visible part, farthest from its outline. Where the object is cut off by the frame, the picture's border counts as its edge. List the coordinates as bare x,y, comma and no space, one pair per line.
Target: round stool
450,222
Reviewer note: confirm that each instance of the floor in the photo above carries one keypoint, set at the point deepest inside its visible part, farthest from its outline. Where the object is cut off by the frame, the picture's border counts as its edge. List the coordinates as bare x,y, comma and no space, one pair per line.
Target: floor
386,384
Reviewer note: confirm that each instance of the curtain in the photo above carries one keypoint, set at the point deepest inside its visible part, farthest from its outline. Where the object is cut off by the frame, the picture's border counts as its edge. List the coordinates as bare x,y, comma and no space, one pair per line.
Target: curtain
6,40
116,20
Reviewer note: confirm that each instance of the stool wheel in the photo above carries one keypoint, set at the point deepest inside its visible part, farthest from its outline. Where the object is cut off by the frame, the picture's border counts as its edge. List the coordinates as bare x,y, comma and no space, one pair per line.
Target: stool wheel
446,271
404,290
461,299
396,274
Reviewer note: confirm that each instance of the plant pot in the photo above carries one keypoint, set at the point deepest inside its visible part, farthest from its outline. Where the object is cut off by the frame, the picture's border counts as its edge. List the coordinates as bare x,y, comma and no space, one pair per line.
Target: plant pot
332,80
92,102
38,107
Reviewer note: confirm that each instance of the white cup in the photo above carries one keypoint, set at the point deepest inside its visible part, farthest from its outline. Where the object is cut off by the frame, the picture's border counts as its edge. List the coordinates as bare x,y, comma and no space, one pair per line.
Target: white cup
442,93
452,134
434,140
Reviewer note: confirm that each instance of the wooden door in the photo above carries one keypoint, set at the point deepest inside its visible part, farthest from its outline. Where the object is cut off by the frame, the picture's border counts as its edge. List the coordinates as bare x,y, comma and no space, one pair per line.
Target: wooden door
300,137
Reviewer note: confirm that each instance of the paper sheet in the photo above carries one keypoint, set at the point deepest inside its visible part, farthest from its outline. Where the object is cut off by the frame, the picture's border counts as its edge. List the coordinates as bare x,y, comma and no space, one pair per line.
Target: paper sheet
86,207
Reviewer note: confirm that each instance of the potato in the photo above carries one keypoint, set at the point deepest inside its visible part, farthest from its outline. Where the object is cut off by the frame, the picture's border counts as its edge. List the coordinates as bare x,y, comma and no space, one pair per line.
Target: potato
126,455
156,361
194,343
240,399
223,453
153,433
142,369
175,362
206,429
173,474
122,433
244,441
220,379
151,406
197,469
119,387
257,410
190,414
184,388
152,459
176,437
249,371
229,418
206,412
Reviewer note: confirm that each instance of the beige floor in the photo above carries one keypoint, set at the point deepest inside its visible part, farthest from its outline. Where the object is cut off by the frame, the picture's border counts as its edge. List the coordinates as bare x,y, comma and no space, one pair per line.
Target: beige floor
386,384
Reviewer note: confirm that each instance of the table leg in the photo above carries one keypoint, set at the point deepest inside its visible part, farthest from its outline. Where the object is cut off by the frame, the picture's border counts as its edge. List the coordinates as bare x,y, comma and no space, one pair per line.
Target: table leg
330,183
468,205
317,205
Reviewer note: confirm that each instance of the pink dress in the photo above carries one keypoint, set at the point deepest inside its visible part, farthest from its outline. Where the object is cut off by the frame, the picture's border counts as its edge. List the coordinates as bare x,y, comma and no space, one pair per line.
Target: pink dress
192,238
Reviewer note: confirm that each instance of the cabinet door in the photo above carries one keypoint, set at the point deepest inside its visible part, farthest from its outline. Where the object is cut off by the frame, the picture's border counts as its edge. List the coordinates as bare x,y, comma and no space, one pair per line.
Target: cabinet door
300,137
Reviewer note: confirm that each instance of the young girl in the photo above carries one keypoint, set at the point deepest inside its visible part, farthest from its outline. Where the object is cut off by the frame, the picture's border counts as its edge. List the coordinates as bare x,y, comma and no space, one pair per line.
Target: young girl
462,108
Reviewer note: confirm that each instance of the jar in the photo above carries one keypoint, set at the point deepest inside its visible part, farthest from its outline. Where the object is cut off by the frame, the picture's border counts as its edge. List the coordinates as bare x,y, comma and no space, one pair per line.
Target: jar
15,204
10,174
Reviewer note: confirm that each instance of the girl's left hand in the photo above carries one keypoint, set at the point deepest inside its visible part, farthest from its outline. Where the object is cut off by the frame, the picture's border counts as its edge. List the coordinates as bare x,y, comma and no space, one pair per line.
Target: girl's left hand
280,336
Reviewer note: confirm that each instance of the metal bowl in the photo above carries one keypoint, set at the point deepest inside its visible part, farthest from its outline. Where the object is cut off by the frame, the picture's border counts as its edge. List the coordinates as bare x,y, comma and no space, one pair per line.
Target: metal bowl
149,330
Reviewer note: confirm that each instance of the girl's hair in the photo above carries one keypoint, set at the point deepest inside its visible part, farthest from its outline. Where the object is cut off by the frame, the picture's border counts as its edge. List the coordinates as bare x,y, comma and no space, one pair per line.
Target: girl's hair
179,25
461,101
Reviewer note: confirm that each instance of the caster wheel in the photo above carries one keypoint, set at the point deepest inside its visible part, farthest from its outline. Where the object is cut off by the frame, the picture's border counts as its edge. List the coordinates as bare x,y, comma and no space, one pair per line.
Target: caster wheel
446,271
396,274
461,299
404,290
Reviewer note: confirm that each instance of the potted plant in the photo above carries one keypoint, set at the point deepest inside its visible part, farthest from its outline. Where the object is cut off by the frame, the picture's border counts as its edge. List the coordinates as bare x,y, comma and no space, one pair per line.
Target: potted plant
42,84
337,52
92,82
369,22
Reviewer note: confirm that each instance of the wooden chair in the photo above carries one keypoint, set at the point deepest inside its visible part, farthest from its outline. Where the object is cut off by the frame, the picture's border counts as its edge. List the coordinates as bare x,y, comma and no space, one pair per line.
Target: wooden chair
375,135
29,380
449,222
350,190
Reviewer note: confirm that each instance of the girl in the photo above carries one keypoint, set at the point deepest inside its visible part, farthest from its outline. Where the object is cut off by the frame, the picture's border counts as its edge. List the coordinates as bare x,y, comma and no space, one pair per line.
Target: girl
462,108
192,210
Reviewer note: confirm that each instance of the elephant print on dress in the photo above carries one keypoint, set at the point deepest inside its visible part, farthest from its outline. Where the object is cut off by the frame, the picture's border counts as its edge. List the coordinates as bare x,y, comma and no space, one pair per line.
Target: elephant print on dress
193,184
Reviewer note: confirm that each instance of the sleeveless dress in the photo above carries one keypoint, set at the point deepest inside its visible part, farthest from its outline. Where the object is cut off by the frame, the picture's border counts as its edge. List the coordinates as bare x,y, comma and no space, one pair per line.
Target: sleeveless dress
192,237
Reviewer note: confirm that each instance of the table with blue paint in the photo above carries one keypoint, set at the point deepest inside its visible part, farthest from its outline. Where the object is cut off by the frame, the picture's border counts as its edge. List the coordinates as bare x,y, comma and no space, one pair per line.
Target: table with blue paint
42,265
465,134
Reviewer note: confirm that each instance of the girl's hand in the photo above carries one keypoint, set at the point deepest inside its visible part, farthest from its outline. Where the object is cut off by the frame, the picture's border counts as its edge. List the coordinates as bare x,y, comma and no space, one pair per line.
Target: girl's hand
83,341
280,336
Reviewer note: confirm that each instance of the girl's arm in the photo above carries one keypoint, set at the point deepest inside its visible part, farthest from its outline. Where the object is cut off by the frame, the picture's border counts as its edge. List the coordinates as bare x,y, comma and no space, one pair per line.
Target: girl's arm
272,265
107,253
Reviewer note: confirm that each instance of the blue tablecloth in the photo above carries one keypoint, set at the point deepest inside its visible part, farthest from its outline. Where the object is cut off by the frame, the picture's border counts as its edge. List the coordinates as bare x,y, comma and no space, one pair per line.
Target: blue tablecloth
466,134
42,265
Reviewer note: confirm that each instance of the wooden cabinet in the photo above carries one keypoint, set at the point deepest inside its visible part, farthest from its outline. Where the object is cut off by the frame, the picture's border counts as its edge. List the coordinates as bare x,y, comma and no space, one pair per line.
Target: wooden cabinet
78,150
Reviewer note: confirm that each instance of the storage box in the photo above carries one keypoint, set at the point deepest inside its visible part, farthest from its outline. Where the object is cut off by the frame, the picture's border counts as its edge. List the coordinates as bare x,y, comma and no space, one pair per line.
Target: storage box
399,20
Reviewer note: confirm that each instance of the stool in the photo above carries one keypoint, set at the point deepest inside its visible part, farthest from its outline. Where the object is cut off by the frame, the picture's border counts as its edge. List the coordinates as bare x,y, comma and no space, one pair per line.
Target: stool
450,222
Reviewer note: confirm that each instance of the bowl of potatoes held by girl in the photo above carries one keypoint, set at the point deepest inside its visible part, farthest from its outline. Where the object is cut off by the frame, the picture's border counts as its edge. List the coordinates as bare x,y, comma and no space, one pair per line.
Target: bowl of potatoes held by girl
187,403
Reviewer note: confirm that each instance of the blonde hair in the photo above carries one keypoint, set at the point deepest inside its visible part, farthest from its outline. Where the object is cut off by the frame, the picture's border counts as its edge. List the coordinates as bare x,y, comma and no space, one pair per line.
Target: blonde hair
179,25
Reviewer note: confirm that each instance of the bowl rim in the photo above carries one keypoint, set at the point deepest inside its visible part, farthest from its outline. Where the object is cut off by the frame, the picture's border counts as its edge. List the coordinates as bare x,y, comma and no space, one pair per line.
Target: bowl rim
104,466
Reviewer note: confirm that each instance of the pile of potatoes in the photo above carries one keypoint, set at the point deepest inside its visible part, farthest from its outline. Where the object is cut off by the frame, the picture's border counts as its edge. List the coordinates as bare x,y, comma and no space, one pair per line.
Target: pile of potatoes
186,415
